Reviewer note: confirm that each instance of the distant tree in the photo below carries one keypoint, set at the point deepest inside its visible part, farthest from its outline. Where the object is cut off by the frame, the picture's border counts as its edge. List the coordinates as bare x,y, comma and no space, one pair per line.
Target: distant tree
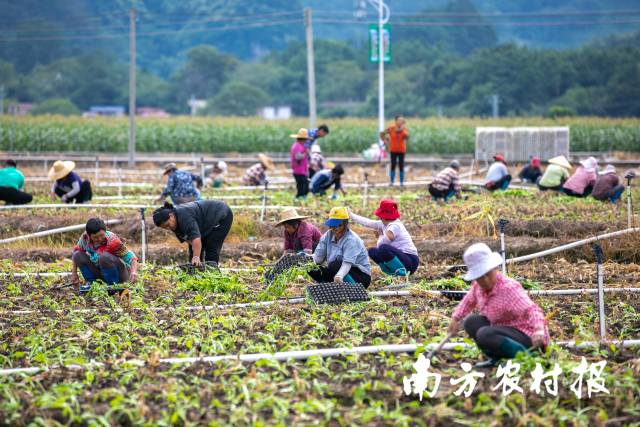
60,106
204,73
238,99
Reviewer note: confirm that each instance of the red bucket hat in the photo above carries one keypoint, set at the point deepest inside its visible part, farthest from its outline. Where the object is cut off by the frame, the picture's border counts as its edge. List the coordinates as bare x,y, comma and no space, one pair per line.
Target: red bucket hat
388,210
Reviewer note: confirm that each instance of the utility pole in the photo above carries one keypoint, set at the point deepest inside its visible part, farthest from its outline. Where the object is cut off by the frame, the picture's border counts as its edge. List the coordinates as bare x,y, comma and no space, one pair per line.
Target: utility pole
380,67
1,100
495,106
132,88
311,72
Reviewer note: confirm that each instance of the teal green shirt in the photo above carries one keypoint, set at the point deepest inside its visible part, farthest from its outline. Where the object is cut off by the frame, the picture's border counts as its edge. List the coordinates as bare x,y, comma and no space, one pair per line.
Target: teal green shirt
11,177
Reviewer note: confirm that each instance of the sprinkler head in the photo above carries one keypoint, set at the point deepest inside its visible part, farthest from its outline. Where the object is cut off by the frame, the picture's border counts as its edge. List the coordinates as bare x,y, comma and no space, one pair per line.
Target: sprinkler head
598,251
630,175
502,223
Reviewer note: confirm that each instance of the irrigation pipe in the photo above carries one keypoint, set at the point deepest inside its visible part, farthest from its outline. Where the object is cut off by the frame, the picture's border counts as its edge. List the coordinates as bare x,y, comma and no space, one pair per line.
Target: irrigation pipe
285,356
53,231
120,206
302,300
573,245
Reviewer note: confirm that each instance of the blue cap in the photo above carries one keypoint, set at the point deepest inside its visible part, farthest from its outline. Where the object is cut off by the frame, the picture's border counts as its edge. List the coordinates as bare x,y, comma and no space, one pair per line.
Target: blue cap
333,222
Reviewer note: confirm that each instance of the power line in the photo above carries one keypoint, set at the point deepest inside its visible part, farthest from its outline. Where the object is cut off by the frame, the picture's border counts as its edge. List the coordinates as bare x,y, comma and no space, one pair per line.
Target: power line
484,23
500,14
153,33
142,22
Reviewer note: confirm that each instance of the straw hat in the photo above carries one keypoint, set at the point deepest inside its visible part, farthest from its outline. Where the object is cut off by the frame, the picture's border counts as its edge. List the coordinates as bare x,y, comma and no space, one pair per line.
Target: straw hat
288,215
480,260
302,134
560,161
266,161
168,168
60,169
222,165
609,169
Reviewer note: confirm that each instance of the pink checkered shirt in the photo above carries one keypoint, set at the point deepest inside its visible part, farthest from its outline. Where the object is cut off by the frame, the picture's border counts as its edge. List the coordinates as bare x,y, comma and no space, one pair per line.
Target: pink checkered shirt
506,304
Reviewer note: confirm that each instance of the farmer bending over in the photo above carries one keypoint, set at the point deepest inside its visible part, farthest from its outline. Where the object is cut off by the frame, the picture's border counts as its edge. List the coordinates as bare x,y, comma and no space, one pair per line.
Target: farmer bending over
324,179
67,184
498,177
395,252
556,174
12,185
509,322
180,185
299,235
608,186
343,251
257,174
446,184
100,254
203,224
581,183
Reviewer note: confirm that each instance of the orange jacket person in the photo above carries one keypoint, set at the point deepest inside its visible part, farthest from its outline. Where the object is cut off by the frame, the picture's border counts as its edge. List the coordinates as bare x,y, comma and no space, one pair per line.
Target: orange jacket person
396,137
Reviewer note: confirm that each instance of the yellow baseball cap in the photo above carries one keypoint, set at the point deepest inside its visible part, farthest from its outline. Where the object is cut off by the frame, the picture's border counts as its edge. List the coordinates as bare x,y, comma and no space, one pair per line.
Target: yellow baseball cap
336,216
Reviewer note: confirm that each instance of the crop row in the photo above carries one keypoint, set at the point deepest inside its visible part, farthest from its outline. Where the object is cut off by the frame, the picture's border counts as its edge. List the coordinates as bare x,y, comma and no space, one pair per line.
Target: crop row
182,134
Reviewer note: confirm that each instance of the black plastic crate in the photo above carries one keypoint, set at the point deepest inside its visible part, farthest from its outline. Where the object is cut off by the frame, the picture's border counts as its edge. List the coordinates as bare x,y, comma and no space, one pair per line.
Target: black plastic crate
337,293
285,263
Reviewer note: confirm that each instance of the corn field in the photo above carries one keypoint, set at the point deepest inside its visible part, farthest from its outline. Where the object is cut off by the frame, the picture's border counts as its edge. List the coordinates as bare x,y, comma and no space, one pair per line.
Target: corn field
214,135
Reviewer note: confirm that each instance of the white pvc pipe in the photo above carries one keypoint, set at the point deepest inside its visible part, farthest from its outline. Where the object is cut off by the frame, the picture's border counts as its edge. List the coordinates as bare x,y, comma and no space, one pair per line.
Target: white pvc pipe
285,356
53,231
601,314
573,245
119,206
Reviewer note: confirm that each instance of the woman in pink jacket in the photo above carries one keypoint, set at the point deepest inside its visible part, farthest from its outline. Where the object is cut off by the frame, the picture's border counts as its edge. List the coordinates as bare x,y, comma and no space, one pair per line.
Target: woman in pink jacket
581,183
509,322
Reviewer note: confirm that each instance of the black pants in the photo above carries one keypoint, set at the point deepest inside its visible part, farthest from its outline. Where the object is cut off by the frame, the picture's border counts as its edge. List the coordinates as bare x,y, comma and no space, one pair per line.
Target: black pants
489,338
12,196
399,159
84,195
302,184
585,193
212,244
541,188
322,274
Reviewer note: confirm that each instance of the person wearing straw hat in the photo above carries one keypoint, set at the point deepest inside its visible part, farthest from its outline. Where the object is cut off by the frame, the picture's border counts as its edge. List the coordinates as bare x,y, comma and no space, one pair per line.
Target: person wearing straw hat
257,173
509,322
101,254
12,185
555,175
299,235
299,157
395,252
341,255
67,184
607,186
446,183
180,186
498,177
204,224
581,183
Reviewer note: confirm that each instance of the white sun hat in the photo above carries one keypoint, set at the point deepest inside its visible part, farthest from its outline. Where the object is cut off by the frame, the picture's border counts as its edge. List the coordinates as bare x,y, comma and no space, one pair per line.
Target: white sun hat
590,163
315,148
480,260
